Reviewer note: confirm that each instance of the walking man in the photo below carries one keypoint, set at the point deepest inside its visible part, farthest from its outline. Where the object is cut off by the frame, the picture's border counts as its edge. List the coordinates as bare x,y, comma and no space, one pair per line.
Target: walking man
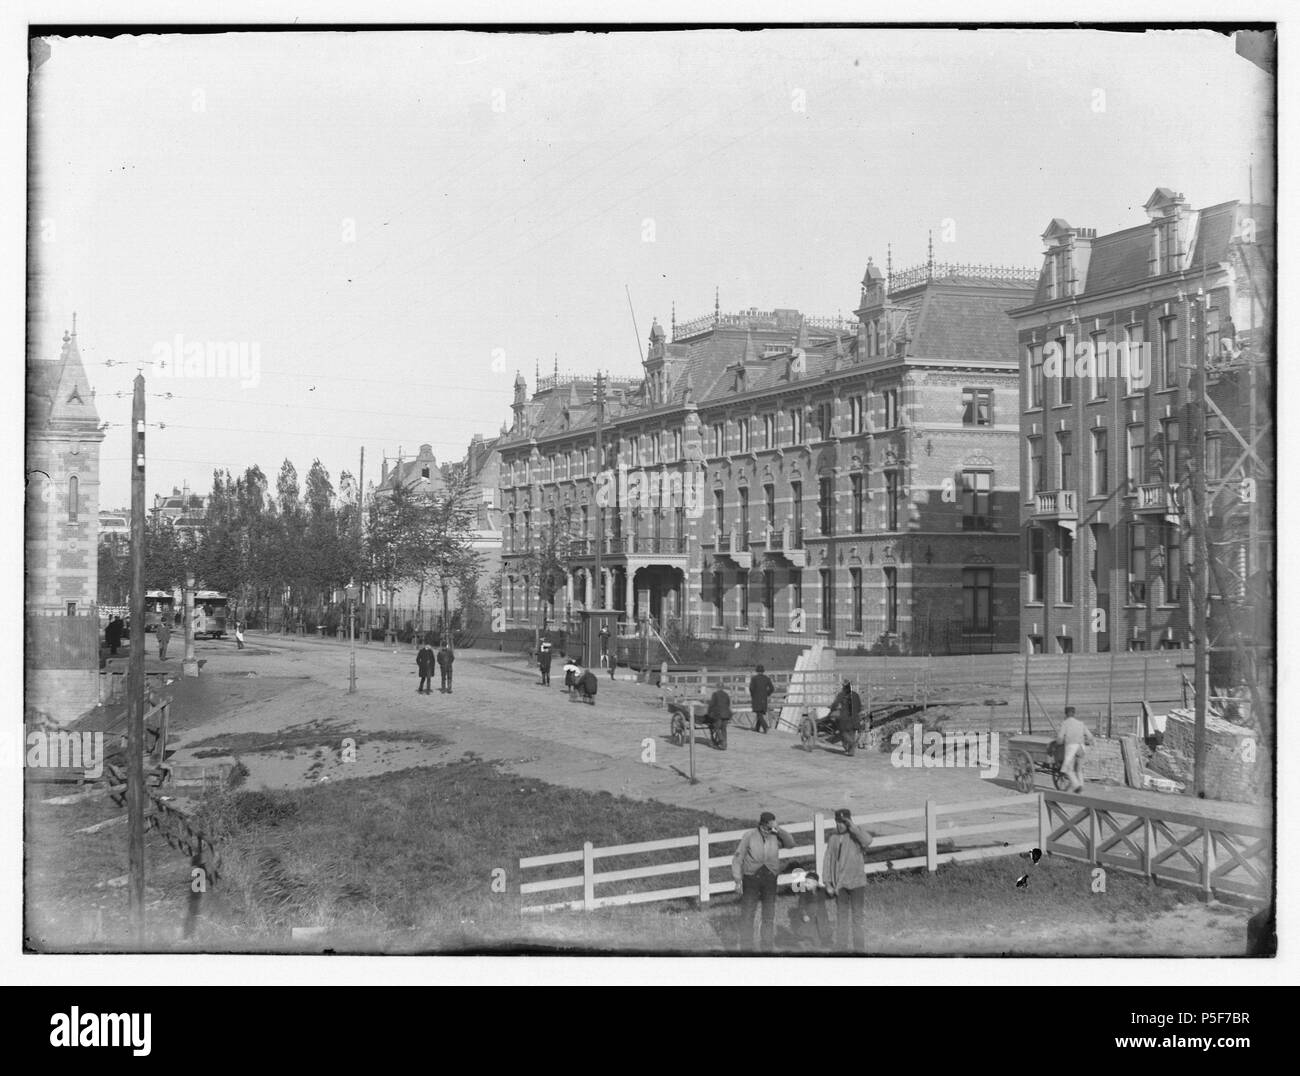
1077,739
544,662
760,690
720,717
755,868
843,873
425,660
164,637
113,635
445,659
847,712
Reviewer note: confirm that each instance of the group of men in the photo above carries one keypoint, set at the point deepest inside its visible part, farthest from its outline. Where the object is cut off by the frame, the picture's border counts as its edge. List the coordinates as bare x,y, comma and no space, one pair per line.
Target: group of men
426,658
845,711
757,864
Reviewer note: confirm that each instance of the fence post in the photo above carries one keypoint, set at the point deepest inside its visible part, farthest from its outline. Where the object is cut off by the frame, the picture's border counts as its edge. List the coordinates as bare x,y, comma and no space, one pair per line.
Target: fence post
1092,834
704,865
1146,846
819,841
588,878
1044,822
1207,862
931,836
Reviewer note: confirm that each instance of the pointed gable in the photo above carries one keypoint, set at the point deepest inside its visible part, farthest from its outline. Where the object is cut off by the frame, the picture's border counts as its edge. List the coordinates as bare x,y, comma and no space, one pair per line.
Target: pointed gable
72,402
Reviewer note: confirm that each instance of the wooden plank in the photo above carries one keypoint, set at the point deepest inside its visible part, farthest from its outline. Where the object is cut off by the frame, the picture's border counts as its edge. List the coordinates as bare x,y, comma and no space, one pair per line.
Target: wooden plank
1128,747
572,882
679,867
547,861
645,846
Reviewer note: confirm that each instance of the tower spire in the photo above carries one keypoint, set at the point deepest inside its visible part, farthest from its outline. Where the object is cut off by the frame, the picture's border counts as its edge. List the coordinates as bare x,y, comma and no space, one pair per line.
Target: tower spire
74,323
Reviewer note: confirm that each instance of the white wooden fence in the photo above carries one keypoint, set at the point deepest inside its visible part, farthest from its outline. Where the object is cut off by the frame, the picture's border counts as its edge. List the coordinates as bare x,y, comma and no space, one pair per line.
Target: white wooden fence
701,863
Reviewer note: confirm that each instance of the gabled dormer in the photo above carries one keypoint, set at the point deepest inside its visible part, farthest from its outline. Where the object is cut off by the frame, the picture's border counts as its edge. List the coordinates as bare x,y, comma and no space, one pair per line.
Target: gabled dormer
655,365
1065,259
1172,227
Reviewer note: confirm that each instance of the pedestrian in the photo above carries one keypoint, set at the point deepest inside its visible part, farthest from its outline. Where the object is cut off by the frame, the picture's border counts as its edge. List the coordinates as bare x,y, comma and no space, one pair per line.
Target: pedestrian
113,635
604,647
810,919
1075,737
847,711
843,869
544,662
586,685
719,717
760,690
572,670
755,868
445,659
164,637
425,659
239,635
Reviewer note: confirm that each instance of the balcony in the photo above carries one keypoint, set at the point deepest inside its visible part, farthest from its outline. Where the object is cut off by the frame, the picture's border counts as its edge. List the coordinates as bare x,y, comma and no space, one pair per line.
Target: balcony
783,542
1058,504
730,546
1154,498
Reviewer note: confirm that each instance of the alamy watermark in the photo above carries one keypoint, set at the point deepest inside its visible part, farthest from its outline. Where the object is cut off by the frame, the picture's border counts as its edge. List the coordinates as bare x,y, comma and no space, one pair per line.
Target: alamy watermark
926,750
61,749
181,358
1087,359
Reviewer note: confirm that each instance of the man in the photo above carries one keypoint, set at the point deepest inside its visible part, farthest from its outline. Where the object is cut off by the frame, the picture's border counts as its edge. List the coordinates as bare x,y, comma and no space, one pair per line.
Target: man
425,661
847,711
164,637
604,648
755,868
1075,736
760,690
113,635
544,662
720,717
842,871
445,659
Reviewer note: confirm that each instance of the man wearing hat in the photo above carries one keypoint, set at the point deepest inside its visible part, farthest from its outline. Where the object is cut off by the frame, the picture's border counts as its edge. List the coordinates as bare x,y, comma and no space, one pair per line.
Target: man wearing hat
847,712
755,867
1075,737
843,872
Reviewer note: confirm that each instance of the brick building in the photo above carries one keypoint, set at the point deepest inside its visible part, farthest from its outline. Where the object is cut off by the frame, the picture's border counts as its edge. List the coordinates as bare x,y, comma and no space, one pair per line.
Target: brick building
1109,409
788,478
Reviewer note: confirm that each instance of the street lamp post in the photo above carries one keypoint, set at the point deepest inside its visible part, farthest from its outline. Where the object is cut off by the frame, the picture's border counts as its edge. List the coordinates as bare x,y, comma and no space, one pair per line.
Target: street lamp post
351,590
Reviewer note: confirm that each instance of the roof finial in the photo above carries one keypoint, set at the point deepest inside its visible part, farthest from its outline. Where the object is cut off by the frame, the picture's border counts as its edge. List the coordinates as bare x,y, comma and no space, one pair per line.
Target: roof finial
889,264
674,319
74,323
537,372
929,261
717,310
556,368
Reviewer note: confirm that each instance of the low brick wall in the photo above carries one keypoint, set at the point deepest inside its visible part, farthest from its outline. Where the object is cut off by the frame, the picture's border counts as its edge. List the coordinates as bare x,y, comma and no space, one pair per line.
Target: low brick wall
1235,765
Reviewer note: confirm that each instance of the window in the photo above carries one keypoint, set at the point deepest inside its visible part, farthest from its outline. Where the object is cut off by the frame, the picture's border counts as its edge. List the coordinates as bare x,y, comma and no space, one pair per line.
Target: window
1137,563
1169,352
719,439
717,598
1035,465
656,446
1136,369
1065,383
824,413
1035,375
769,598
796,426
510,596
769,507
1065,459
796,510
977,407
856,482
796,594
586,521
1213,457
677,444
679,525
71,609
891,500
744,517
1034,568
1173,566
1137,455
1100,462
827,605
977,600
769,431
743,586
855,578
742,432
634,449
1170,433
1065,644
891,408
74,499
857,414
1065,562
719,512
528,530
1101,370
976,493
826,504
891,600
514,537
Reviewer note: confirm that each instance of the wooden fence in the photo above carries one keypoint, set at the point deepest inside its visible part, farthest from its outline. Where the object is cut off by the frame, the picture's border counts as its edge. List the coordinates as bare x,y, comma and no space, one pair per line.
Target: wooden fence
701,864
1233,858
61,642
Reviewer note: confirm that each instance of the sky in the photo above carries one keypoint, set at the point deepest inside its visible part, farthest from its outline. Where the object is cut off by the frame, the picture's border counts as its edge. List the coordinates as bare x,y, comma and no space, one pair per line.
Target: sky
392,224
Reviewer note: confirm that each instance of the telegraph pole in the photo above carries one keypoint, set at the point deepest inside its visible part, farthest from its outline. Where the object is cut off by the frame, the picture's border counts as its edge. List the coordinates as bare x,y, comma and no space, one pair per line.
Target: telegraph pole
598,582
1201,566
135,702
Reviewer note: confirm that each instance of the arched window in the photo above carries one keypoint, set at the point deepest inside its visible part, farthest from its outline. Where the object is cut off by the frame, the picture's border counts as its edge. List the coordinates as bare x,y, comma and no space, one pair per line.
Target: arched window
74,501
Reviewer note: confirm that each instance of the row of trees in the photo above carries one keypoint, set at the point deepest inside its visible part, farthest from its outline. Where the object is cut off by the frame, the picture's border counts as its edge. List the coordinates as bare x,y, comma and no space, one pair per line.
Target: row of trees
292,548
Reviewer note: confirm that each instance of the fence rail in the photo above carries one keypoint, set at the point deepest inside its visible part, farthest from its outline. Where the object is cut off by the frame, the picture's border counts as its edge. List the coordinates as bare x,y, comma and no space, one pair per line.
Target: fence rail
701,864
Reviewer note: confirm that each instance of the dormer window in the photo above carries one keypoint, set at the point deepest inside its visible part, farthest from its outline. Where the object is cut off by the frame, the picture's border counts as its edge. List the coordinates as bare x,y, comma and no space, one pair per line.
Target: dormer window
424,472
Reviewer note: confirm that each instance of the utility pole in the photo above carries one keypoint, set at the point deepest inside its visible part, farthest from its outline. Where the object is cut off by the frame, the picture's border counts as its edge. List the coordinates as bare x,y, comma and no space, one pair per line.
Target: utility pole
1201,566
135,703
598,581
189,664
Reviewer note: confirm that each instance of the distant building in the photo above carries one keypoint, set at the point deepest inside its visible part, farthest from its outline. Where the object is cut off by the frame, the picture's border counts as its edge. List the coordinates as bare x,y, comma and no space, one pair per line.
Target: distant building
1110,345
61,535
181,508
789,478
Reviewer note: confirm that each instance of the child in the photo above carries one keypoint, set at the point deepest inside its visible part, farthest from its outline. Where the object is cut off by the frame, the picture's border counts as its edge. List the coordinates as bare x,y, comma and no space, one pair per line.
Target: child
571,672
810,921
239,635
